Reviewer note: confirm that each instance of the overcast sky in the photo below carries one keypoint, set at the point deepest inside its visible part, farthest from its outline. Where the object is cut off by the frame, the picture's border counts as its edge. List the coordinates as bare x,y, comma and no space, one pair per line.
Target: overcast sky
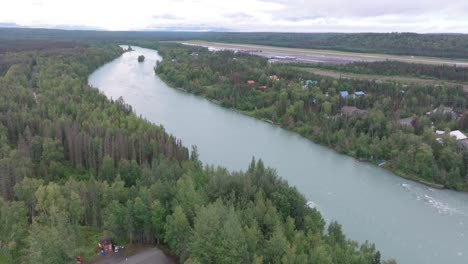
242,15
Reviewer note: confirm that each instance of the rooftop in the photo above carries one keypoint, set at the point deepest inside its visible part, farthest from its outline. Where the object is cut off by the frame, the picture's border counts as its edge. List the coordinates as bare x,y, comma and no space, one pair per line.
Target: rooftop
344,94
458,135
351,110
407,121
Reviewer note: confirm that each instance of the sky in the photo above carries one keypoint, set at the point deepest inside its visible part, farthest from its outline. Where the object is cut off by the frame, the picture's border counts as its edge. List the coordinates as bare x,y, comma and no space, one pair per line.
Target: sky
422,16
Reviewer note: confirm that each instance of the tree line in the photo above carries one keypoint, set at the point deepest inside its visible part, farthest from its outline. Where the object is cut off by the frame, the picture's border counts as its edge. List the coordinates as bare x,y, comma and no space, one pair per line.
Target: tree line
432,45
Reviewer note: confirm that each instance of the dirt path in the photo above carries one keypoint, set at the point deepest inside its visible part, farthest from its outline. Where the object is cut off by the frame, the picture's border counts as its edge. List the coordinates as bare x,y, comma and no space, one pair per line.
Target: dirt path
147,256
320,55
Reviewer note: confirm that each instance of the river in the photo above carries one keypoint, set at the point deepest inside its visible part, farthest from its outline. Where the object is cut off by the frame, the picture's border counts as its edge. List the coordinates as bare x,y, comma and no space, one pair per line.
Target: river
406,220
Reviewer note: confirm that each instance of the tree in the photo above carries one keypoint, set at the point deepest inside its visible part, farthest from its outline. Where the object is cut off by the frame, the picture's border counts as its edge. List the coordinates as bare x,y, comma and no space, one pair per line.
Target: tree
107,170
187,196
218,236
115,221
141,58
130,172
13,230
50,244
335,234
25,191
158,217
178,232
50,203
142,221
276,246
75,208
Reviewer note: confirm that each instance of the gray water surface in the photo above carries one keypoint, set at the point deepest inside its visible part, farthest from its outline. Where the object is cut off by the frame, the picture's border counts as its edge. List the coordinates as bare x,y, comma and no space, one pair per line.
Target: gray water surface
407,221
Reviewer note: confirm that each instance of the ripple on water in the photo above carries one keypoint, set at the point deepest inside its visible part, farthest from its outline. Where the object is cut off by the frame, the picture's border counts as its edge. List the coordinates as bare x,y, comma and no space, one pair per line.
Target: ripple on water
311,204
420,194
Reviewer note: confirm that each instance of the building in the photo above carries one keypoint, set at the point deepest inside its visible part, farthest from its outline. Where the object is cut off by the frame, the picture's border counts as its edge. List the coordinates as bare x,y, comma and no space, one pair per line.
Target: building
407,121
274,77
444,110
250,82
359,93
458,135
344,94
351,110
263,87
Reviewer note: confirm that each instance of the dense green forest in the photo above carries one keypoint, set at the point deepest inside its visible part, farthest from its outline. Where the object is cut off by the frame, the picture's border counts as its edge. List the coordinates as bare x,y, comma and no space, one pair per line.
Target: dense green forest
433,45
398,68
389,122
75,165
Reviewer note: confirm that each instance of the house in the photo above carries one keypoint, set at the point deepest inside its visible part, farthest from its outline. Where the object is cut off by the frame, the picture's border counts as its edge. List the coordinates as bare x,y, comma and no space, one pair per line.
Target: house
444,110
344,94
274,77
263,87
194,54
359,93
351,110
458,135
407,121
250,82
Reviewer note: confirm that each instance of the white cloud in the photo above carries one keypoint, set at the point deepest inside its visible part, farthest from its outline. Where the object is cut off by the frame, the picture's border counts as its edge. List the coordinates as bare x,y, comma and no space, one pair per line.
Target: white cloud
243,15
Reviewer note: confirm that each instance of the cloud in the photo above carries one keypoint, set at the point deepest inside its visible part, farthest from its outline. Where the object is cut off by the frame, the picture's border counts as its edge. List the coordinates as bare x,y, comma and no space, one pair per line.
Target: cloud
244,15
240,16
166,17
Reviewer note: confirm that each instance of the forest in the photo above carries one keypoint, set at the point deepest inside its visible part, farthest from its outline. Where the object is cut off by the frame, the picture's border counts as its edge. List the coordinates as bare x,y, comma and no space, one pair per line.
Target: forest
398,68
431,45
75,165
385,123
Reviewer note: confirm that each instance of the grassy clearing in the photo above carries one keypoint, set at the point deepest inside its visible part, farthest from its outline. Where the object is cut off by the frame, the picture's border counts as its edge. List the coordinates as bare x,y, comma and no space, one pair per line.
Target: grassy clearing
335,74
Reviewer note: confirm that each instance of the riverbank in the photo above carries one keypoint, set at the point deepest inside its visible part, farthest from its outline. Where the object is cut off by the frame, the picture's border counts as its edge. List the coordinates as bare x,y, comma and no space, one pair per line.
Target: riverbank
387,166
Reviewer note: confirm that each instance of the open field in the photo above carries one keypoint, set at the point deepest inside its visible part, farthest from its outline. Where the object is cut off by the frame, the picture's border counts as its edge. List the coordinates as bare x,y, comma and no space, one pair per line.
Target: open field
402,79
280,54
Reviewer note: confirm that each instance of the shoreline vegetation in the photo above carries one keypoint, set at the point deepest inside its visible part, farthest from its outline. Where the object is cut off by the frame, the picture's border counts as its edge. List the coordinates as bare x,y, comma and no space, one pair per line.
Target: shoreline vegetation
322,104
76,166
